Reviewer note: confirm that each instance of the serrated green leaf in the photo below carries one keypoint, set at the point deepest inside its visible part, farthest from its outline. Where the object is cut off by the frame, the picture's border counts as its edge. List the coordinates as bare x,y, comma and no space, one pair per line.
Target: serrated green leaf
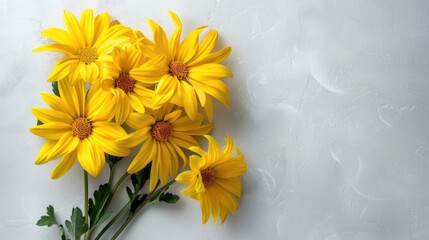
104,217
97,205
112,160
139,179
55,89
169,198
76,227
140,199
155,198
48,220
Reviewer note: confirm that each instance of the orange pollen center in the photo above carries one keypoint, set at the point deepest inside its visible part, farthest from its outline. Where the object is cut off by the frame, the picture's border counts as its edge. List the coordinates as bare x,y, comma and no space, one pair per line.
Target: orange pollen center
208,176
179,70
81,128
162,131
125,82
87,55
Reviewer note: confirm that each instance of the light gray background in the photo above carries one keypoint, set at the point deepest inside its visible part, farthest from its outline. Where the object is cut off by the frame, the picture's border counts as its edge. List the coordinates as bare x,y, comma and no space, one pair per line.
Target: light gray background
329,105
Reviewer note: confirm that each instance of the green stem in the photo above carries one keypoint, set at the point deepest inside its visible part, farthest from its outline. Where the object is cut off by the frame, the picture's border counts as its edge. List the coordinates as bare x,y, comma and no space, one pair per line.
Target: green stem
131,216
111,176
124,225
119,182
112,192
85,177
114,219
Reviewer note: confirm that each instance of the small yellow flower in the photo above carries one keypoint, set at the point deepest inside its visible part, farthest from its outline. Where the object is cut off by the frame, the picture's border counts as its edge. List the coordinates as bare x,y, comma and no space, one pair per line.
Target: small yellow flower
86,45
164,132
214,179
191,69
77,127
123,77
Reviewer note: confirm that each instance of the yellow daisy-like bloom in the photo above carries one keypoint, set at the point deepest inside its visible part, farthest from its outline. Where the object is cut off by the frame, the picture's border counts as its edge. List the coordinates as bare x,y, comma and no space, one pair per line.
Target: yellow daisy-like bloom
214,179
77,127
192,69
164,133
86,45
123,76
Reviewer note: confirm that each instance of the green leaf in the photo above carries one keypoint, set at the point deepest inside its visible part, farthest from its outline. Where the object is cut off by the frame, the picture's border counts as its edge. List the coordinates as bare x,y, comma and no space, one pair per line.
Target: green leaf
139,200
104,217
48,220
112,160
139,179
39,122
55,89
169,198
76,227
97,205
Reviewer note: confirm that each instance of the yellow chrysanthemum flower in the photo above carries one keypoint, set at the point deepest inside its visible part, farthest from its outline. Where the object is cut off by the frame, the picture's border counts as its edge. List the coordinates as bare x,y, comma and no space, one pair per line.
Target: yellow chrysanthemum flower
123,77
77,127
164,133
214,179
86,45
191,69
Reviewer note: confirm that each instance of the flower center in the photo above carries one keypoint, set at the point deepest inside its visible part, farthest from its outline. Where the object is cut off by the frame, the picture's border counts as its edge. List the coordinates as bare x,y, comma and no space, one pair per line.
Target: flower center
125,82
87,55
179,70
208,176
81,128
162,131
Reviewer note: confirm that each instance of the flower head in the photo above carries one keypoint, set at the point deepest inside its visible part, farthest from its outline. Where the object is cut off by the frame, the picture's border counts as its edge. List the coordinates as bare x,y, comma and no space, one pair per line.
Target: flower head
77,127
123,75
165,132
191,69
214,179
86,45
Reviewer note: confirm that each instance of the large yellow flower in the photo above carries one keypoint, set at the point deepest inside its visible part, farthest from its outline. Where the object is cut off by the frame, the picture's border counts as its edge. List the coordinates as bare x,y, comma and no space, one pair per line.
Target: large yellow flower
77,127
86,45
123,77
164,133
192,69
214,179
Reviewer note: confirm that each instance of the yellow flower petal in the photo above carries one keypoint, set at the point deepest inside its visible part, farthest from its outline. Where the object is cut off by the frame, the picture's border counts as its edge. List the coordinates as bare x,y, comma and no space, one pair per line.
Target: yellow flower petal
87,24
123,107
65,164
89,157
135,138
140,120
109,146
48,115
52,131
74,28
190,45
42,157
55,103
66,144
61,70
175,38
58,35
230,169
143,157
173,116
190,101
56,47
186,178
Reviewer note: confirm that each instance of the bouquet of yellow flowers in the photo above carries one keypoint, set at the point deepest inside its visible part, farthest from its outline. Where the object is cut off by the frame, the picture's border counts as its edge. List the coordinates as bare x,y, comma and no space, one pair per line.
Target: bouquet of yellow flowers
115,89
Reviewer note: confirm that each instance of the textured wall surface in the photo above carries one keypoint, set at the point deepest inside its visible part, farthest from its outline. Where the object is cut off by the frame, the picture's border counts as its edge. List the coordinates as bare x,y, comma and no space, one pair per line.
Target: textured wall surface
330,105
